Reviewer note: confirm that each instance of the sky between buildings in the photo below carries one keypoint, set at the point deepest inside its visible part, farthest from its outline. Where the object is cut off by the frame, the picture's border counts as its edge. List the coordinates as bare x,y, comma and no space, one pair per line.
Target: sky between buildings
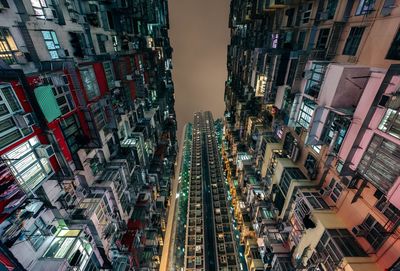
199,35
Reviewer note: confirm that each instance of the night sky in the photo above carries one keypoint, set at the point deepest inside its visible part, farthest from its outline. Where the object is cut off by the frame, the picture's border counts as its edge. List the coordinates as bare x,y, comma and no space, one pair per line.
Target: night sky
199,35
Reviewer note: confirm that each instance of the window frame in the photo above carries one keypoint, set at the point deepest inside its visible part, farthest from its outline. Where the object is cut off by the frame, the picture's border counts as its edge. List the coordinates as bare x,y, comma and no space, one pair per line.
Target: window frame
38,10
353,40
8,47
53,41
365,7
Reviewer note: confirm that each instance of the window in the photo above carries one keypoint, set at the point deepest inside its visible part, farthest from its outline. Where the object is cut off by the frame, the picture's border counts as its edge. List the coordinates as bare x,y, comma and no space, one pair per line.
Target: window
35,233
334,245
38,8
288,175
101,40
98,116
306,112
307,8
72,132
52,44
394,50
391,123
336,189
311,164
375,233
380,163
331,8
353,41
301,39
90,82
335,128
365,7
9,106
322,38
7,46
316,148
29,169
388,209
315,79
108,69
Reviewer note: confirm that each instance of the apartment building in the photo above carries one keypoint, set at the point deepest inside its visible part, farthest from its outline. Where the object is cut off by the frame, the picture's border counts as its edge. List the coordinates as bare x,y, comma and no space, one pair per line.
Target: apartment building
210,242
88,137
311,146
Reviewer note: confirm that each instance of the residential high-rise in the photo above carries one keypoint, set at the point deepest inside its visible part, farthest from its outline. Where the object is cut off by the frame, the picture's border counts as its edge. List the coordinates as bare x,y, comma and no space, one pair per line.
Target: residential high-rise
312,146
210,243
87,137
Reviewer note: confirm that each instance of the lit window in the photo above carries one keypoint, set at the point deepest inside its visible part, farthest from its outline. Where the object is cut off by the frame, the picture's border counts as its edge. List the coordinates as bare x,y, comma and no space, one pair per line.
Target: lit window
52,44
90,82
391,123
7,46
35,233
353,41
38,8
10,132
306,113
365,7
28,168
316,148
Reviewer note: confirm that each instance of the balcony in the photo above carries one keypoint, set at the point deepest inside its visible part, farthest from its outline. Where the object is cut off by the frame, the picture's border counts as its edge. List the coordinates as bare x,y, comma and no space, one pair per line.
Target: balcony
327,243
329,126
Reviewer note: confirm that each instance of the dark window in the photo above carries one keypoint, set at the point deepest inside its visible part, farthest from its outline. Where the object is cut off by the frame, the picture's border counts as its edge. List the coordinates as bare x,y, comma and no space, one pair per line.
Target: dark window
365,7
331,8
322,38
307,8
301,39
375,233
102,43
290,14
353,41
394,51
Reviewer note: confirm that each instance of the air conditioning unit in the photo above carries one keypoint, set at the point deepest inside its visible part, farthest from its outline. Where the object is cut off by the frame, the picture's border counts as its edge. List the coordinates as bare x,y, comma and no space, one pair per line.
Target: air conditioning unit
44,151
4,5
50,230
359,231
307,74
69,199
61,53
117,83
323,16
24,121
20,58
48,13
129,77
103,37
325,191
285,227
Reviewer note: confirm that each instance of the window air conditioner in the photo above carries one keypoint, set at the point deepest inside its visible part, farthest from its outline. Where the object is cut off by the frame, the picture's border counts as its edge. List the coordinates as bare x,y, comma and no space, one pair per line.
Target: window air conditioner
20,58
24,121
117,83
50,230
61,53
44,151
48,13
129,77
